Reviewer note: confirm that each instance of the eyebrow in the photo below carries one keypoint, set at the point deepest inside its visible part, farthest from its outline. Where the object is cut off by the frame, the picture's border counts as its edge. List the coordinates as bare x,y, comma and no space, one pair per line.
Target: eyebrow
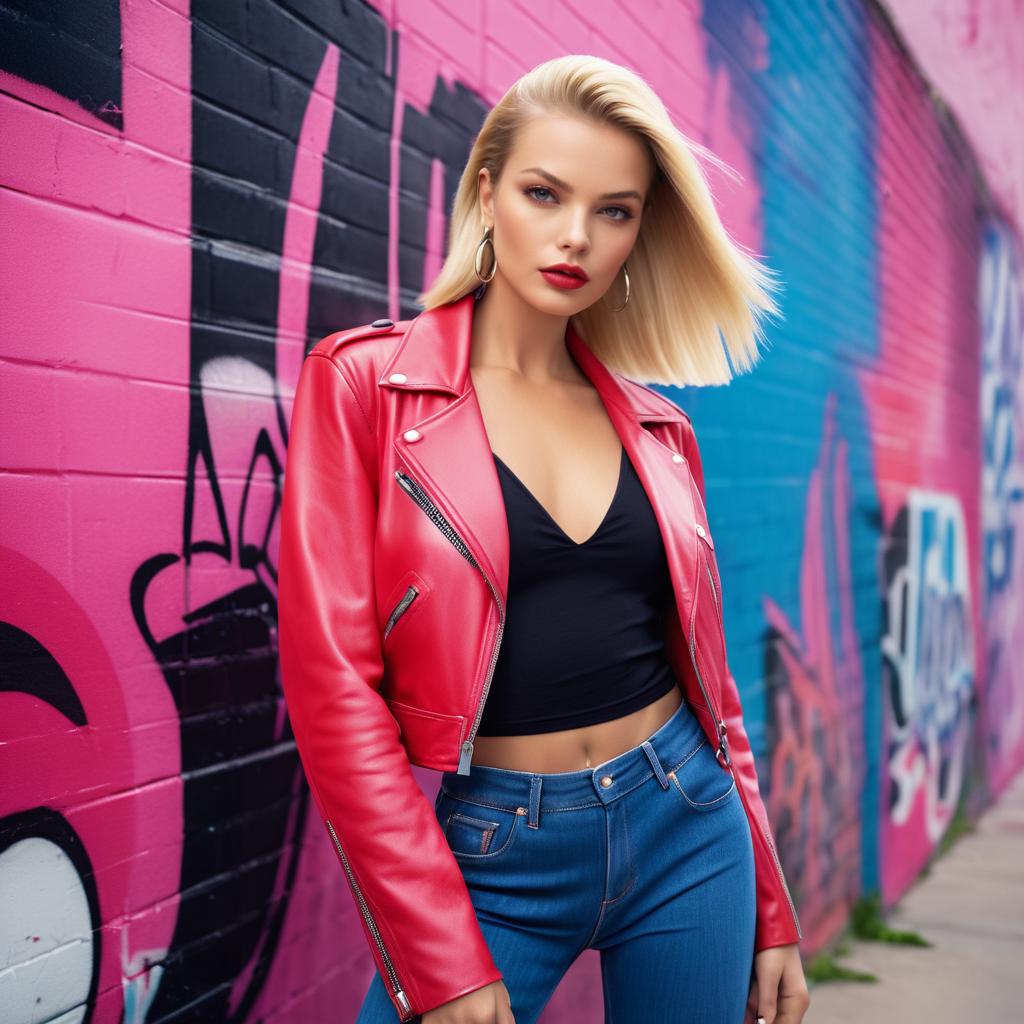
628,194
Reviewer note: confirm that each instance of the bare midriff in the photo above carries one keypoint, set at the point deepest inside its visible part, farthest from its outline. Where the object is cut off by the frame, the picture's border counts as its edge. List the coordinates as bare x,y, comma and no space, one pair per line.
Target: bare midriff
574,480
570,750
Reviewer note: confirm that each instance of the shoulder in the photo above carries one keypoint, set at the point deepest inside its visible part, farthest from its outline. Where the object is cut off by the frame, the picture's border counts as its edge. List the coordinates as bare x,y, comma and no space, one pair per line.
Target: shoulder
360,355
362,352
376,337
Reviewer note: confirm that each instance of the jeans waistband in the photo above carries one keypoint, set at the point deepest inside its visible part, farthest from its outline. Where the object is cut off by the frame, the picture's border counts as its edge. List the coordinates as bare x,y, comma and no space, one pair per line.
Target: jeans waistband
662,752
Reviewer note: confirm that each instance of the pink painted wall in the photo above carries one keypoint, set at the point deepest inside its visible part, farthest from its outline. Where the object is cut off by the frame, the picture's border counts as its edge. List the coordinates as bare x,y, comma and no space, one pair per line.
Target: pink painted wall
192,194
972,54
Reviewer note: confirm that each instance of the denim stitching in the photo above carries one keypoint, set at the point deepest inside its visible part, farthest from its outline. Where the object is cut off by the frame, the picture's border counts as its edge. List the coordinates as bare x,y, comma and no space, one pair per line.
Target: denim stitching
480,803
704,803
475,821
492,853
625,892
632,865
575,807
678,785
689,755
597,926
607,863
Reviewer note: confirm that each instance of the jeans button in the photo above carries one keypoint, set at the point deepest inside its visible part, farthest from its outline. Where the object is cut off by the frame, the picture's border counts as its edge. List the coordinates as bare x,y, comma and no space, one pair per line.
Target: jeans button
606,781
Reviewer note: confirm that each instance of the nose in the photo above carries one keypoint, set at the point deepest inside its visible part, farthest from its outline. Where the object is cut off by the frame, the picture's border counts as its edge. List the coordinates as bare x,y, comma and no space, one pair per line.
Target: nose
574,232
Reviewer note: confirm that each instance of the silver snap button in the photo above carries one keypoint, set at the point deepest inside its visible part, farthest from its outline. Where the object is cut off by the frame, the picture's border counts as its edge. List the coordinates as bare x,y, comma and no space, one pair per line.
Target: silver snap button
606,781
397,378
383,322
676,457
412,435
701,532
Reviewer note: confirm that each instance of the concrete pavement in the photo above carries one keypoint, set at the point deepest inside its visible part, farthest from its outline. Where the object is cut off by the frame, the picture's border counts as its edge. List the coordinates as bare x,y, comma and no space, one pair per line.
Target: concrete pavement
971,906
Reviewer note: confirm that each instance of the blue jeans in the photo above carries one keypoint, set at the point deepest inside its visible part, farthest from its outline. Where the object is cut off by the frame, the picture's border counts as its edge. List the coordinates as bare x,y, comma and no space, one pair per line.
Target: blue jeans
646,857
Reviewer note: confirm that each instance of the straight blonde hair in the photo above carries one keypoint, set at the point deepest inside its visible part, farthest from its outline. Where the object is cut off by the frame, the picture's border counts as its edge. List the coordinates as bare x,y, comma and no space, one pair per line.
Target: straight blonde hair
692,287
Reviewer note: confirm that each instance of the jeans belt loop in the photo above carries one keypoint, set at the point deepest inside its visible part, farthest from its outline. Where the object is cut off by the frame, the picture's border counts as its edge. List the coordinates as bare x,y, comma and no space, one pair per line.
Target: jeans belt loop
655,763
534,820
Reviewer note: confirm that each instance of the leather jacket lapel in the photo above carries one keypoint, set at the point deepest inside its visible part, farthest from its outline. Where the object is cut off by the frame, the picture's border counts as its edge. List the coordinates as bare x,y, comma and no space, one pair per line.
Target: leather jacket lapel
449,453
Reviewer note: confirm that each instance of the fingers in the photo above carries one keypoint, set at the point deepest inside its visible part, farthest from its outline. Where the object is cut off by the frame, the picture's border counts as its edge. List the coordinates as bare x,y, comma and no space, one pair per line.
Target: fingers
767,995
749,1017
505,1015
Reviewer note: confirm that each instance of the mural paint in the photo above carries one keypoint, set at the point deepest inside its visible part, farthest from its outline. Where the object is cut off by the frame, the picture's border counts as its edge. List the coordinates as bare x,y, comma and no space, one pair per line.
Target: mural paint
1001,571
814,732
198,192
929,676
925,429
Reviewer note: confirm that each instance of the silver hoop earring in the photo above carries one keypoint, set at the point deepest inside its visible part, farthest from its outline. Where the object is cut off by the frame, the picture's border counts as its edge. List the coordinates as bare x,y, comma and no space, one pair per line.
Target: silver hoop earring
479,256
616,309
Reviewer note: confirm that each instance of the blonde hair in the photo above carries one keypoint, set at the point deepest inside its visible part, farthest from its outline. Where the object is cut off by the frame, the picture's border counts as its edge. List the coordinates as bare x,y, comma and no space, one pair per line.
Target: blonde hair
689,280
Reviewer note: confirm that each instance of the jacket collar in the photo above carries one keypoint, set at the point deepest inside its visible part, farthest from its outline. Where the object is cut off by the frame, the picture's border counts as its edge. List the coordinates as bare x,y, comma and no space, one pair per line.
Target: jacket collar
448,451
435,352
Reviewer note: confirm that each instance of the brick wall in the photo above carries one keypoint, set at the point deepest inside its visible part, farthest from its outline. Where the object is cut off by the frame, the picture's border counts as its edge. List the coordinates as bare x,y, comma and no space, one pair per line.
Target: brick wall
192,195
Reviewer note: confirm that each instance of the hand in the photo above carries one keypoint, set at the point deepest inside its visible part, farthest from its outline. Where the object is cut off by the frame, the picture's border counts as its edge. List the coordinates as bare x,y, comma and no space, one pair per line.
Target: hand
778,989
488,1005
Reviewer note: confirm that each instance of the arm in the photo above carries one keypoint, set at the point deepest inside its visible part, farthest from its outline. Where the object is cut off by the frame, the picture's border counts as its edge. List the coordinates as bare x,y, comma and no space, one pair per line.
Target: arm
777,921
412,900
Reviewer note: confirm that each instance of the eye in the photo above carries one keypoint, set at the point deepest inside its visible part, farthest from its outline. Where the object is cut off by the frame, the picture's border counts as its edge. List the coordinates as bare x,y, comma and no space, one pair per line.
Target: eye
626,215
536,188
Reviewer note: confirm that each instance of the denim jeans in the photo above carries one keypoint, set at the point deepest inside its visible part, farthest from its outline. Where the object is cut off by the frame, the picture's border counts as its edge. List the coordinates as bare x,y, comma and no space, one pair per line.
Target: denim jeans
646,857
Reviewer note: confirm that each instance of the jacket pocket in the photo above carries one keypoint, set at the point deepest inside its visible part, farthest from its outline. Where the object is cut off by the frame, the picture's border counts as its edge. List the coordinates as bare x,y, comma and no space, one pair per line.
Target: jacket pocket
405,599
432,735
410,595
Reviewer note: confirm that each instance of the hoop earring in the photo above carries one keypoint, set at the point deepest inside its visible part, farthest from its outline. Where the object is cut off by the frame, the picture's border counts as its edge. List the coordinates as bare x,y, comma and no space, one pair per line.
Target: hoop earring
616,309
479,255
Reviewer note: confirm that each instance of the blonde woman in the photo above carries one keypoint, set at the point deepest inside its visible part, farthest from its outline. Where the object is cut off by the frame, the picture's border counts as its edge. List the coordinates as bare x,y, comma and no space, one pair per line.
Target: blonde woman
496,562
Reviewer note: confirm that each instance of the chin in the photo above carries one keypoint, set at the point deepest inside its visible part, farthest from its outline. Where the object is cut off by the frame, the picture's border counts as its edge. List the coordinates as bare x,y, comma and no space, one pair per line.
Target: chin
558,304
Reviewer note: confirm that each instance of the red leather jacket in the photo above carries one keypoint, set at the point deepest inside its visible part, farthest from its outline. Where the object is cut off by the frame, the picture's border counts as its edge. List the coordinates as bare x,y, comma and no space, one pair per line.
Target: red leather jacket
393,578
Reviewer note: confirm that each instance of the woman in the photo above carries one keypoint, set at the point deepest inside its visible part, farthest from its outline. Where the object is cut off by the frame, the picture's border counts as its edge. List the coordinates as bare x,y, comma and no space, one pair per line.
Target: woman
496,562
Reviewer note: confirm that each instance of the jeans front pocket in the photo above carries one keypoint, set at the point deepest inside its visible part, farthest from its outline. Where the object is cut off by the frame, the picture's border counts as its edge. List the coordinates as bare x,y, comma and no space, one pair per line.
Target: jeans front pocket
477,832
701,780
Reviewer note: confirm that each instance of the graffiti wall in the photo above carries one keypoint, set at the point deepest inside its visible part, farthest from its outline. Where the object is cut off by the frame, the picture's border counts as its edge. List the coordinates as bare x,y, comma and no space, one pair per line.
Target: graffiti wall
194,193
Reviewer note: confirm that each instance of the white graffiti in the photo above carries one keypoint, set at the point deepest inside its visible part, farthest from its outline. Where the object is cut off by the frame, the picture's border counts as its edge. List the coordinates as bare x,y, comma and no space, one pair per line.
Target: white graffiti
1001,301
930,656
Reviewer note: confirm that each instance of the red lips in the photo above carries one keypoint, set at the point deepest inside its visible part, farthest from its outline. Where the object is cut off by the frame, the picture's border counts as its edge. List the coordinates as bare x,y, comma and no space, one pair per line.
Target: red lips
567,268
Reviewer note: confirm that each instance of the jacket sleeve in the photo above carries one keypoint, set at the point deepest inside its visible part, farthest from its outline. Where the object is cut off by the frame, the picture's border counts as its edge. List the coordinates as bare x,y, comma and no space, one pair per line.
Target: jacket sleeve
411,897
777,921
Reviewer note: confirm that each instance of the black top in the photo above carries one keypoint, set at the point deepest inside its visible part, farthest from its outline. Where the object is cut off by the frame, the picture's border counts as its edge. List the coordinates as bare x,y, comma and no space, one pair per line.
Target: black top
584,628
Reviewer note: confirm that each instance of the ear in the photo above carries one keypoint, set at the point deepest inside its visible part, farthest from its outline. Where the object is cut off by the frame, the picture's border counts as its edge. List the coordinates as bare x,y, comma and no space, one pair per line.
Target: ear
485,190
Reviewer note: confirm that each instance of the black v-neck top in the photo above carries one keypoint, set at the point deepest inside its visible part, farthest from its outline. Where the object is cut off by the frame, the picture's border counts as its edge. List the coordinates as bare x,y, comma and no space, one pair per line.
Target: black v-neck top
584,623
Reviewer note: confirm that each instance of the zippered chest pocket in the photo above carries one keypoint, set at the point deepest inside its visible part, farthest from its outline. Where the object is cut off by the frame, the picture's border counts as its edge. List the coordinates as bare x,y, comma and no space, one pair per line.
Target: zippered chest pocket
405,599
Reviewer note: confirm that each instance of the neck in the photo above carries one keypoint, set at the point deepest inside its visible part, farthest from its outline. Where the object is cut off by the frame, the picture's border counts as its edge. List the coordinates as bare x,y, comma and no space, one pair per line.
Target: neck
510,334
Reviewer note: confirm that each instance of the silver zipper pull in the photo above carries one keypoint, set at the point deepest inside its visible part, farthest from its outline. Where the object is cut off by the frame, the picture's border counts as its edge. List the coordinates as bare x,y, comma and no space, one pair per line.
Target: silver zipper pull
723,745
465,757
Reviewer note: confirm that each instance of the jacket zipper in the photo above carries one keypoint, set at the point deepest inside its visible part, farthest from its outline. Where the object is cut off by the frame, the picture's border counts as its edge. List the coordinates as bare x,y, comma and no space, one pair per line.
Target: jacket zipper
767,838
416,492
399,609
403,999
723,741
778,865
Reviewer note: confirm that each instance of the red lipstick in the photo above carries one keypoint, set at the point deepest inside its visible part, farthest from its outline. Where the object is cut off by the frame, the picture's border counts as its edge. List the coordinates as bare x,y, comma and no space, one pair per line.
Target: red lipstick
565,275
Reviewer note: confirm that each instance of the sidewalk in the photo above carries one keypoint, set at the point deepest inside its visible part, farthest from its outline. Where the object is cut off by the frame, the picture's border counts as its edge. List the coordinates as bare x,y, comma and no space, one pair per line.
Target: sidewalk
971,906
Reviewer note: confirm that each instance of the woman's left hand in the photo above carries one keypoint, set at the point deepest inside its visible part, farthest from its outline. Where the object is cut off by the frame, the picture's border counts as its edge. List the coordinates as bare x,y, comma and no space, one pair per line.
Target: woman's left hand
778,989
